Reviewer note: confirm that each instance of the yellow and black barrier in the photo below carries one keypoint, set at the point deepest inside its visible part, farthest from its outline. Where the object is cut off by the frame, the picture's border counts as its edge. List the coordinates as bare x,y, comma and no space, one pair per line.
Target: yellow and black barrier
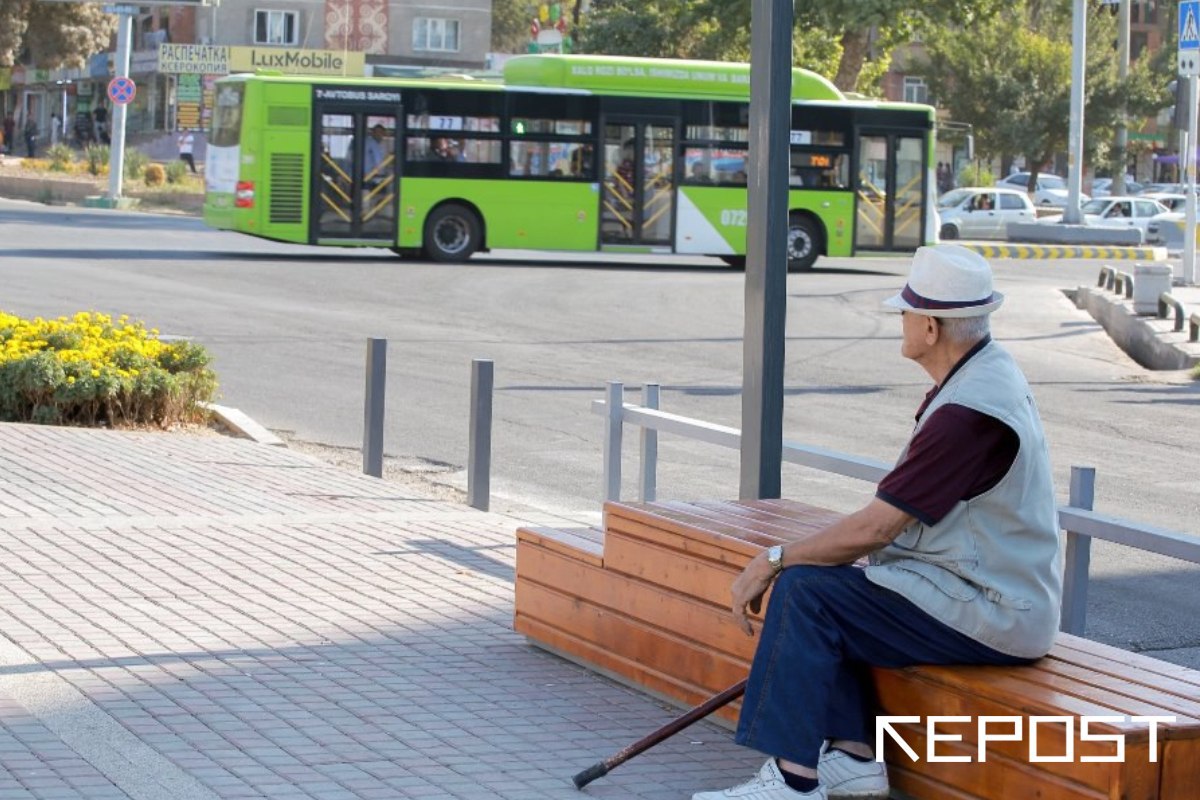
1032,251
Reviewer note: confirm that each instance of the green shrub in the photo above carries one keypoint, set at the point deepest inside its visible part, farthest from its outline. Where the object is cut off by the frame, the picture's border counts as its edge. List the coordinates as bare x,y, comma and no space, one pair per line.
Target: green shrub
91,371
97,157
60,157
176,171
135,163
976,175
154,175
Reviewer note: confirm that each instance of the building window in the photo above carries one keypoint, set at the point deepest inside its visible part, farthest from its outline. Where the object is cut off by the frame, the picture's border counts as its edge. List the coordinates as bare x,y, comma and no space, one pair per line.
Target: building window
915,90
430,33
276,27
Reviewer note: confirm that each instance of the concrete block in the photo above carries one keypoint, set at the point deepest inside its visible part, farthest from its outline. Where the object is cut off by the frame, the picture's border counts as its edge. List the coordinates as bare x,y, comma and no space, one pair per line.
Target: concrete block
1150,281
1037,233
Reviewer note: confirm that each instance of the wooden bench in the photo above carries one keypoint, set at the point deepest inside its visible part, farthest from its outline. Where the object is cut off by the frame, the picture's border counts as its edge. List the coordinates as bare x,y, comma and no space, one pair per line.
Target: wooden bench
646,601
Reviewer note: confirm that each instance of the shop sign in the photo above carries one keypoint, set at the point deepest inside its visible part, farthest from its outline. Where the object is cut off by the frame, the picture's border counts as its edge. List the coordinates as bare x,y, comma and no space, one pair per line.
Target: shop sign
193,59
297,62
143,61
5,78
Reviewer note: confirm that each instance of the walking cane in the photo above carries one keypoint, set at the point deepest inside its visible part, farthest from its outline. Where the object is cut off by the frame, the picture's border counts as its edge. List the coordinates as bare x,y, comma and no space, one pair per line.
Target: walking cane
599,770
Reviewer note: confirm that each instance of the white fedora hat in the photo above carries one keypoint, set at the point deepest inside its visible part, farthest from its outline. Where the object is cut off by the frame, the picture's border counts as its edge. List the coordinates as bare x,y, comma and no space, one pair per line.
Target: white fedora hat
947,280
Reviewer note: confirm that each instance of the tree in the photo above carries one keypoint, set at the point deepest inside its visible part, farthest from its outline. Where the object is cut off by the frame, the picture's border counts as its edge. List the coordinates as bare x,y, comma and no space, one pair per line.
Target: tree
1011,80
55,34
833,37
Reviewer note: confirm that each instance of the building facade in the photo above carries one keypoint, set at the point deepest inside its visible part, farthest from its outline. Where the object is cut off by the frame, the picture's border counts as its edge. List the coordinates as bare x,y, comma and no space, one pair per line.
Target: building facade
178,51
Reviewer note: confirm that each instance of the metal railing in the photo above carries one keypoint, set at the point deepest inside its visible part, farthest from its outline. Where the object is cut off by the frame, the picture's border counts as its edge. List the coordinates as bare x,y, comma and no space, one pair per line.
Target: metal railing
1167,301
1116,280
1077,519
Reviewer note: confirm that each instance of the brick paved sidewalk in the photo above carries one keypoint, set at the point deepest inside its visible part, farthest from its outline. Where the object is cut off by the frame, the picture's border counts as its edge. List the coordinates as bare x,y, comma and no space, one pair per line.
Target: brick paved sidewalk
204,617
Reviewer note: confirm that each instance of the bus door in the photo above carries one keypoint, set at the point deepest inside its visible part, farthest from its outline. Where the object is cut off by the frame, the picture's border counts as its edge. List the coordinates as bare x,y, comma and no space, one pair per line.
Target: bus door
356,192
637,201
890,185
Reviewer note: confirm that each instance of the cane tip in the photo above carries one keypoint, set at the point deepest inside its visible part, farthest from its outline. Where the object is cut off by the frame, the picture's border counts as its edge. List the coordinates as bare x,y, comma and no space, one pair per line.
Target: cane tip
590,774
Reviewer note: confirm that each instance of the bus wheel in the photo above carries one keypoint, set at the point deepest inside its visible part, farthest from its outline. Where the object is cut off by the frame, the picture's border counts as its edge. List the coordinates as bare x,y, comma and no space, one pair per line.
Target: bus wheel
949,232
451,234
803,243
736,262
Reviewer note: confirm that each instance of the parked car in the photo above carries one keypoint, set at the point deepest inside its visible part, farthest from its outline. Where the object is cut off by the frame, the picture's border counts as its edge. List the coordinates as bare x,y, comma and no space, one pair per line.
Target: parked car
1173,201
982,212
1117,212
1102,187
1051,190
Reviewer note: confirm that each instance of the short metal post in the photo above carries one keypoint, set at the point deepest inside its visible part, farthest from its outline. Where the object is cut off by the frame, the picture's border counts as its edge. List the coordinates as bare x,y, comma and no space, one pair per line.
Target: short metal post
615,405
649,448
479,455
1078,556
373,407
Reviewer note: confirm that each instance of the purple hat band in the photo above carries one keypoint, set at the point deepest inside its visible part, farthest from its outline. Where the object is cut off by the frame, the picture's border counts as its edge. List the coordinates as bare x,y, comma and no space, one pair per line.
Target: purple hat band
918,301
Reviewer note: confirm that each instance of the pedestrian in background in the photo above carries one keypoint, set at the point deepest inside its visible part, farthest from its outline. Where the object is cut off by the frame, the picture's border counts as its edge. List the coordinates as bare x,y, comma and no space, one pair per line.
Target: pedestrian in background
10,131
187,144
30,135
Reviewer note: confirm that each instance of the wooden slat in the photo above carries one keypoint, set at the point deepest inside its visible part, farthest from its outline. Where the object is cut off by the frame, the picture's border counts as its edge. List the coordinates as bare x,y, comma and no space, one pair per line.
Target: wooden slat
704,624
1180,770
631,638
610,663
586,544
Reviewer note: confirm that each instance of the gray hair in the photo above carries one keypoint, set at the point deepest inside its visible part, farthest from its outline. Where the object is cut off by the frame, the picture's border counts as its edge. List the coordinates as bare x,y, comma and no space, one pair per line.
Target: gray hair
966,330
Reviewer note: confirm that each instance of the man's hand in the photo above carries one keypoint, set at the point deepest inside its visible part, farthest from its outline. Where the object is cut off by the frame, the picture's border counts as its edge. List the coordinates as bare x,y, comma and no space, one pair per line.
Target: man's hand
748,590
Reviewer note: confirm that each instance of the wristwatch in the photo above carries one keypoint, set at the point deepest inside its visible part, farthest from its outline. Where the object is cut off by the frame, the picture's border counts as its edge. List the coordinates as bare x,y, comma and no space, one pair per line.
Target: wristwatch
775,558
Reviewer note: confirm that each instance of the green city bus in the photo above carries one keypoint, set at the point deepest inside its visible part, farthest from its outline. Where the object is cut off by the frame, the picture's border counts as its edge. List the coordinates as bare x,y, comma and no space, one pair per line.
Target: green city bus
564,152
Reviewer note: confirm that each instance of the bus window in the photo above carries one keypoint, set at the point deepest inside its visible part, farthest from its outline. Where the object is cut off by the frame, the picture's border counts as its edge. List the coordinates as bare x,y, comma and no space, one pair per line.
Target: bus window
717,166
550,160
227,119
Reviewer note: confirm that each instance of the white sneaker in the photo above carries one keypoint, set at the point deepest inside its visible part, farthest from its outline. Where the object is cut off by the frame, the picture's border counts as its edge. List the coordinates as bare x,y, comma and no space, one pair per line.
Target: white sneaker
846,777
767,785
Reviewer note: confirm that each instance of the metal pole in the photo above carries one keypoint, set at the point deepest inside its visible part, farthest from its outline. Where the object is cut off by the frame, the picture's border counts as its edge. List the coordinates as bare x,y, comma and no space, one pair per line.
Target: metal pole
1078,556
1121,145
1071,214
649,448
1189,230
766,248
614,399
479,454
116,160
373,407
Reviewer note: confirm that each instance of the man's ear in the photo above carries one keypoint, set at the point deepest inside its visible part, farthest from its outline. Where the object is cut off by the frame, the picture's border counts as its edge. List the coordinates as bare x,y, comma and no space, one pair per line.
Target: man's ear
933,330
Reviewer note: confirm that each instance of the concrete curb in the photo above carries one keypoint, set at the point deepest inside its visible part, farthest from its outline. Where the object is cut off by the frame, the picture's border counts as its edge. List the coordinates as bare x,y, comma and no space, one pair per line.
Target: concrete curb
1032,251
1147,340
236,421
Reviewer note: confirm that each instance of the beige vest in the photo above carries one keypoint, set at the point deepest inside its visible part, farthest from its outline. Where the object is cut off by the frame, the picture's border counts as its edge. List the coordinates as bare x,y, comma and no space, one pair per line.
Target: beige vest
990,568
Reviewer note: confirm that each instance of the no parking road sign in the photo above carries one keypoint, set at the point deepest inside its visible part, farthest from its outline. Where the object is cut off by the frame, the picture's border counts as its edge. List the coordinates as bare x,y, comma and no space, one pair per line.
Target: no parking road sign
122,90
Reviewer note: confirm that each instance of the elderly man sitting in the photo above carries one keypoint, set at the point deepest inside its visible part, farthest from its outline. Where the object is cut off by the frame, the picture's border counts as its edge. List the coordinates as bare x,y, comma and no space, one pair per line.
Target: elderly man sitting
963,543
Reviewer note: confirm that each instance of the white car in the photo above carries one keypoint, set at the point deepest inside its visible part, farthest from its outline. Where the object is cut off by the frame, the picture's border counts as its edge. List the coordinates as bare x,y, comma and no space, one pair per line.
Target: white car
1173,201
982,212
1051,190
1117,212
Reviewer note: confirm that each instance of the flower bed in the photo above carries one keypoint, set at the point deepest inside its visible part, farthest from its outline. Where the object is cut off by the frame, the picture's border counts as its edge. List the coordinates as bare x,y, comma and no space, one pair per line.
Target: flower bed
90,370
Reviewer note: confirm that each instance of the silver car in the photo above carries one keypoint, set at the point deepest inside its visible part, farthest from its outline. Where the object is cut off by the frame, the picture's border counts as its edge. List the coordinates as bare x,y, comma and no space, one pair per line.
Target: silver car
982,212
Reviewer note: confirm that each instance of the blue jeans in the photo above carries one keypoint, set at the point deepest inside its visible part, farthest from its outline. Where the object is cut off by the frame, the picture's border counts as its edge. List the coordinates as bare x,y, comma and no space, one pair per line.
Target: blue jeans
810,679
